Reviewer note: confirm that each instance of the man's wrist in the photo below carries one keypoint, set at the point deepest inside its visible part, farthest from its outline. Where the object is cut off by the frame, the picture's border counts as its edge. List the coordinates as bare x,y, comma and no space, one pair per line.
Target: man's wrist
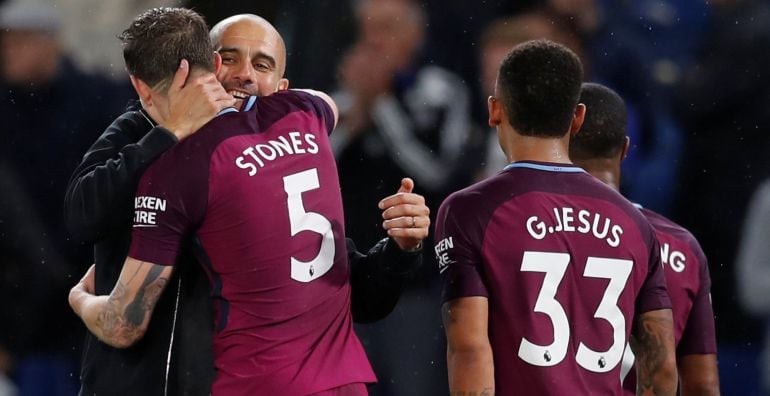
414,249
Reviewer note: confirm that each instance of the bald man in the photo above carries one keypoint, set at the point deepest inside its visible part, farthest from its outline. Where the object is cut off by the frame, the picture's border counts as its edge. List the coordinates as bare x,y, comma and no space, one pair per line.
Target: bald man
253,56
175,355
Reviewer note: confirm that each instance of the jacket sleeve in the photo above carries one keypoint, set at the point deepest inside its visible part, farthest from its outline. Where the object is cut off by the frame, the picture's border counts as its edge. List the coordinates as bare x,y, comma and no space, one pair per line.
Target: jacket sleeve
100,191
378,278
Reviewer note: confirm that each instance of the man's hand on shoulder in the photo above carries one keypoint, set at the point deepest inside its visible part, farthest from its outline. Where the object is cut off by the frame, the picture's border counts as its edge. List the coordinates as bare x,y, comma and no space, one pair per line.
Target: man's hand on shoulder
406,216
194,101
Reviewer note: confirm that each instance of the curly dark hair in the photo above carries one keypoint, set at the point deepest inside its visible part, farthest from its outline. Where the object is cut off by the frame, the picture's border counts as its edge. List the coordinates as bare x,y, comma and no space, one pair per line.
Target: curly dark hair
603,133
539,84
158,39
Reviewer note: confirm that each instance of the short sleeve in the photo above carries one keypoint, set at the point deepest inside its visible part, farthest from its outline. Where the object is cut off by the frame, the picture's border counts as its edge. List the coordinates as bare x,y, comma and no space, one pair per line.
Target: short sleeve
653,295
458,252
699,335
320,108
169,202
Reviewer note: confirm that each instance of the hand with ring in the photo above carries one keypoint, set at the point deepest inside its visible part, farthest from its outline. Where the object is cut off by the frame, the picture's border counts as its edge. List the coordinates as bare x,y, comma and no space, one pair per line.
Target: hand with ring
406,217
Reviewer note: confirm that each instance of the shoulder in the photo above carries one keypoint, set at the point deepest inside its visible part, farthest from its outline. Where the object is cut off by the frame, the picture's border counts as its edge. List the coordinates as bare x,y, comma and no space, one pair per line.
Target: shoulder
294,99
282,103
663,225
474,204
132,120
469,196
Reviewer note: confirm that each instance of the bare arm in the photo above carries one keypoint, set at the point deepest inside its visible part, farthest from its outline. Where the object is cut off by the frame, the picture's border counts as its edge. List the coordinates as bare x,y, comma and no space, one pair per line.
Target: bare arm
121,318
469,354
653,345
698,375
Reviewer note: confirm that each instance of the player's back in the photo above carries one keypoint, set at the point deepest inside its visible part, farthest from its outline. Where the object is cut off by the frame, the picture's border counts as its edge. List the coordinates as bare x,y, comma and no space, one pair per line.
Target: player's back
566,264
685,266
269,230
689,286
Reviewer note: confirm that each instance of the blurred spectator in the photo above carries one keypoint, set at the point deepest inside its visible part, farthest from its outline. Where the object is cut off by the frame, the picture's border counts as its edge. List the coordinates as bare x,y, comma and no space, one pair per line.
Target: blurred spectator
317,33
619,57
92,45
454,29
723,104
496,41
753,268
400,117
50,113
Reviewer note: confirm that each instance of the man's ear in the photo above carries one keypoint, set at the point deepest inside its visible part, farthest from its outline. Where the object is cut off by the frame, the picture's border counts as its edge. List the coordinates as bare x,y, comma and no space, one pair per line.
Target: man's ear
577,119
283,84
217,62
495,111
624,150
142,89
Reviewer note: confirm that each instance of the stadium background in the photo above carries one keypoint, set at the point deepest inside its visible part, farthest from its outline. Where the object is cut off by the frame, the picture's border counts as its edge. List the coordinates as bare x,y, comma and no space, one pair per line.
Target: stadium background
693,73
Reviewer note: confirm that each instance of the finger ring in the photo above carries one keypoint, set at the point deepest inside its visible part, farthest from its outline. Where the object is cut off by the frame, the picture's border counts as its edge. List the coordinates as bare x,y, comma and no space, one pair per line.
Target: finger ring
413,222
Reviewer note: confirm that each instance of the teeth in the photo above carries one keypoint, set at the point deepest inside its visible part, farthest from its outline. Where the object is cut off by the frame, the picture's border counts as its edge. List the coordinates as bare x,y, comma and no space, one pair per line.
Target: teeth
238,94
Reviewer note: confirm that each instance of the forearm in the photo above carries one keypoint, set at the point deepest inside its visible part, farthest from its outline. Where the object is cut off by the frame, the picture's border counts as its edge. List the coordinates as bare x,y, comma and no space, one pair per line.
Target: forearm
653,345
698,375
121,318
471,372
103,317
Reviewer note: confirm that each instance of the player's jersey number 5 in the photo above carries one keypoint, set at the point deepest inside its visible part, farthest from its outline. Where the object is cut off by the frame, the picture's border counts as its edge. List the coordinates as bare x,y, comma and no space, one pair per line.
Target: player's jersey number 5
554,265
301,220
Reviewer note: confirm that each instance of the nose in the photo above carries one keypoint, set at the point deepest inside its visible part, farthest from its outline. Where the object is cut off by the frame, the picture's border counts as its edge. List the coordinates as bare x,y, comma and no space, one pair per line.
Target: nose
244,73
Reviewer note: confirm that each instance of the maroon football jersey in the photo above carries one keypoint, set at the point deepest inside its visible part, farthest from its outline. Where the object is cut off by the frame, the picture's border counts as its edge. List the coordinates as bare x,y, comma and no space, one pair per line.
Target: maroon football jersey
258,193
566,264
689,287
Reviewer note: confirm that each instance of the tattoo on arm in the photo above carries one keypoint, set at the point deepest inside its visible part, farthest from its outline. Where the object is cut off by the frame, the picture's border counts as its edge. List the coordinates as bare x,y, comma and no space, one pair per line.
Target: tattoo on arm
650,349
127,324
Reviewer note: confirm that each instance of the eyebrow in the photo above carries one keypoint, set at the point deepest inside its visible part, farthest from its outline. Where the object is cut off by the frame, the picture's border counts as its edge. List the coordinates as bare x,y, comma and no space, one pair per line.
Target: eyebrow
258,55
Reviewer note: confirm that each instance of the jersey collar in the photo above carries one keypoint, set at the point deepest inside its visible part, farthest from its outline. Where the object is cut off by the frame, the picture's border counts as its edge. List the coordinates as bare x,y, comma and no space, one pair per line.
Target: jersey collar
545,166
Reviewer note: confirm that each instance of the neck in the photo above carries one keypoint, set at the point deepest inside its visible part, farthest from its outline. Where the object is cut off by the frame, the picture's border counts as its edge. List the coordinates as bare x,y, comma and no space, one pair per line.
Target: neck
607,170
532,148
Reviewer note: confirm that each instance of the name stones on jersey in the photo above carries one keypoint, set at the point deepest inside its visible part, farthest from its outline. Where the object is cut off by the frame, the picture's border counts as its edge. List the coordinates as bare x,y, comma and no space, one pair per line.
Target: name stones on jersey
255,157
585,222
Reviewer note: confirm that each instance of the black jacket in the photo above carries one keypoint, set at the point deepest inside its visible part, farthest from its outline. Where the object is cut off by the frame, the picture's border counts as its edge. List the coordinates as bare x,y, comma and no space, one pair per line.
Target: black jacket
175,355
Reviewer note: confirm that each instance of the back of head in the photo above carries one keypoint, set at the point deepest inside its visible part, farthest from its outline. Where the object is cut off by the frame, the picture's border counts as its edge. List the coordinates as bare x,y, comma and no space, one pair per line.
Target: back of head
539,86
603,133
160,38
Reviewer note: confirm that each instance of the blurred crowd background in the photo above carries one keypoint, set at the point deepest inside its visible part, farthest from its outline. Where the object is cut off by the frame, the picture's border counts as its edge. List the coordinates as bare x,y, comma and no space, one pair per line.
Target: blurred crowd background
411,79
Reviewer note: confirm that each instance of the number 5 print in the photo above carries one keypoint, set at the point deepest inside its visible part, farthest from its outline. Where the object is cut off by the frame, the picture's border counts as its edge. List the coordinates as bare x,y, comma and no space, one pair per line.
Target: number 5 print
300,220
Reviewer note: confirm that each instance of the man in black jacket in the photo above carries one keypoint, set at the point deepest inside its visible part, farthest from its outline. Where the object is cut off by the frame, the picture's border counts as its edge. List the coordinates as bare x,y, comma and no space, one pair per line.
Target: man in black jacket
175,356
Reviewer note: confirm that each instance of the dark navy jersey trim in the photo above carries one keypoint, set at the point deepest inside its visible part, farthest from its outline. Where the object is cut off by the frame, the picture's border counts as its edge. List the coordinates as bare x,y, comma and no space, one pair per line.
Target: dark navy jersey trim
544,167
250,103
